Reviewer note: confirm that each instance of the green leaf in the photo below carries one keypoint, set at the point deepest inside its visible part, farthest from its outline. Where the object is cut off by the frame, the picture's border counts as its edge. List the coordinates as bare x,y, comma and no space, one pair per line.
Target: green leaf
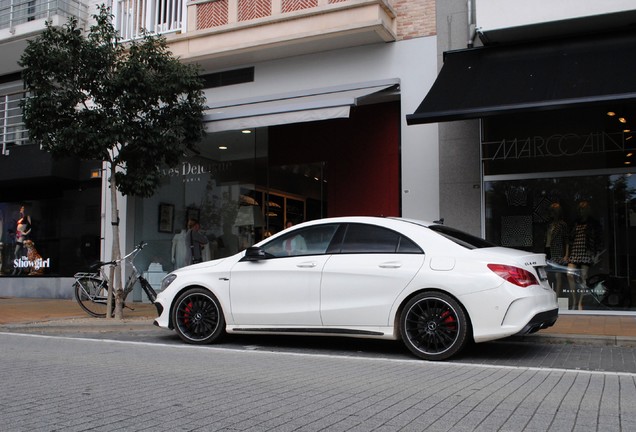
93,97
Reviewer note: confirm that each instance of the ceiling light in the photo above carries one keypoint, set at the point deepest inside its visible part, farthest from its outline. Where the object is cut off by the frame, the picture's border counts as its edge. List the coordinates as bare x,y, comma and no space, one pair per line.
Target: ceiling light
627,163
630,154
222,147
611,113
622,120
246,131
627,130
629,137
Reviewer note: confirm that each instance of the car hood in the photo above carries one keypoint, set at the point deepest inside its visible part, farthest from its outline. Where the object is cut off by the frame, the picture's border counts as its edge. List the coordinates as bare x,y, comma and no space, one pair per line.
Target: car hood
201,266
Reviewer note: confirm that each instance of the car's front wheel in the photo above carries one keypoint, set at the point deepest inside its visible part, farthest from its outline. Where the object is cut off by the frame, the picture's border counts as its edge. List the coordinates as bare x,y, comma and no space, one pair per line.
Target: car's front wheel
197,317
434,326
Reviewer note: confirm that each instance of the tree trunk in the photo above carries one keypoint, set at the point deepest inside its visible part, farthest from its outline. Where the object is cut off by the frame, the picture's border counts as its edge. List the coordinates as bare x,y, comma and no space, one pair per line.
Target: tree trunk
116,287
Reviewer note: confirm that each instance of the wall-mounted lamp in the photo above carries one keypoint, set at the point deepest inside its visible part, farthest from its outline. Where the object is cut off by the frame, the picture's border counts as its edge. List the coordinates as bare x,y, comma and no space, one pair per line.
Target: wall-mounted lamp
96,173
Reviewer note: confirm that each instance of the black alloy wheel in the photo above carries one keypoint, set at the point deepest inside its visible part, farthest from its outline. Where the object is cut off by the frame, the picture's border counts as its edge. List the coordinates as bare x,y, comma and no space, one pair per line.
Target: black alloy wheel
434,326
197,317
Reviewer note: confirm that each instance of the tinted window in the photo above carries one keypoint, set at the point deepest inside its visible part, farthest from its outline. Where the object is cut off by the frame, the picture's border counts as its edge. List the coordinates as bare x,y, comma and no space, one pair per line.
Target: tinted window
307,241
461,238
408,246
361,238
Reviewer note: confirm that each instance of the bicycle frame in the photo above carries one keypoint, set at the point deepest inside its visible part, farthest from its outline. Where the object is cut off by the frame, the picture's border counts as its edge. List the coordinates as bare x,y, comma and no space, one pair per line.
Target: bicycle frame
136,275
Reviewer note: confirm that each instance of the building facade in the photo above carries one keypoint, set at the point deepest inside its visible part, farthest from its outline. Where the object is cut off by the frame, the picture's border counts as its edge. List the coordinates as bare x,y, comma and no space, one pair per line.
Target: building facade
306,119
509,119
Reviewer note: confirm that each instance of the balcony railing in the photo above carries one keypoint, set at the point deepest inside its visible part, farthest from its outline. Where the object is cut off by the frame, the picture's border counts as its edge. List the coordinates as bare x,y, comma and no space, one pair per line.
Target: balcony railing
16,12
12,129
133,17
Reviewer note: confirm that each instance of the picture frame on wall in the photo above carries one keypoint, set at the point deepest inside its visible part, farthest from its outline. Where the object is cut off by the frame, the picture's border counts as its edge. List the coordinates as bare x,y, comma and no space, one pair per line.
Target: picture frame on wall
166,218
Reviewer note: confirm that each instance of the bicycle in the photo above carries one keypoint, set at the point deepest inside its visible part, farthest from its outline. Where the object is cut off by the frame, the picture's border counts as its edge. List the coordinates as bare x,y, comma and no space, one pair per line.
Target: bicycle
91,288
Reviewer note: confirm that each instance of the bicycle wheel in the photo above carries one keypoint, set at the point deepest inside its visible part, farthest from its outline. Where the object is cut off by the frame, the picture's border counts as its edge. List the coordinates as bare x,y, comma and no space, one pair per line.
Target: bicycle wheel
91,294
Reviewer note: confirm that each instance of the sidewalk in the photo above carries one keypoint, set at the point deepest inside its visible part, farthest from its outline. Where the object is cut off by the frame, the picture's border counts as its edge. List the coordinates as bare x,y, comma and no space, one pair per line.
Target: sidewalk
602,329
32,310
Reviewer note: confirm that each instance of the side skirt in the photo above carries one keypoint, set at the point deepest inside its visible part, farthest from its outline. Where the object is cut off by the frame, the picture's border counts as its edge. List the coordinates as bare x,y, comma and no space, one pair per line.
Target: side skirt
328,331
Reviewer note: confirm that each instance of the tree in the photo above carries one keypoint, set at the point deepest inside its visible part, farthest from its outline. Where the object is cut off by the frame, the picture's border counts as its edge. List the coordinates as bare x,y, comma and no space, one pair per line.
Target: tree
132,105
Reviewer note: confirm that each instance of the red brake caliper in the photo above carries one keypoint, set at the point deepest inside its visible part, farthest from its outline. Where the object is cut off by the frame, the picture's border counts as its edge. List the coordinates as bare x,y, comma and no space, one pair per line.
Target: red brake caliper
449,320
186,313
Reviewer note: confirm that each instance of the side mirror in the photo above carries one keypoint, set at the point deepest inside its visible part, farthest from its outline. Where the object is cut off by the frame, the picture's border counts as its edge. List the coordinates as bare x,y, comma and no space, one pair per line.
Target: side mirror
254,254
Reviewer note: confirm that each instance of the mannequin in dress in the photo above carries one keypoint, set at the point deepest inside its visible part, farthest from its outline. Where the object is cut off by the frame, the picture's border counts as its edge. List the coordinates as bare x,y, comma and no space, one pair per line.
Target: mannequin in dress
585,243
22,233
179,249
556,243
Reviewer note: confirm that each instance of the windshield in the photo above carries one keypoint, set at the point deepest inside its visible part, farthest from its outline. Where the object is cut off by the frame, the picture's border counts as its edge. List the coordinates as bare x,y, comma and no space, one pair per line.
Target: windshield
461,238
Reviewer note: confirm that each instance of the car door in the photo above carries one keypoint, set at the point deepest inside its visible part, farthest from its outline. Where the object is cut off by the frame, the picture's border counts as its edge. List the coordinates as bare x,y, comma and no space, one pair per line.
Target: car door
284,288
361,282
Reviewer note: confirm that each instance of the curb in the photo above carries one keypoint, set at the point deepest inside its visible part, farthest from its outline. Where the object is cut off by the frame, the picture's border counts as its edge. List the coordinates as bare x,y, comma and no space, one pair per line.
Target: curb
80,324
577,339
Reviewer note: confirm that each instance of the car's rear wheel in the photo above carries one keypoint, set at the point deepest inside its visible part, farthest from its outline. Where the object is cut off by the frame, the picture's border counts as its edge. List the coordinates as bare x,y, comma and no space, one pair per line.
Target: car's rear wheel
198,317
434,326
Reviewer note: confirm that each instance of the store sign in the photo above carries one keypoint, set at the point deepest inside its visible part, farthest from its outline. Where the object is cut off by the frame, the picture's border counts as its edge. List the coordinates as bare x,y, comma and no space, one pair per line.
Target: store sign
559,145
192,170
37,264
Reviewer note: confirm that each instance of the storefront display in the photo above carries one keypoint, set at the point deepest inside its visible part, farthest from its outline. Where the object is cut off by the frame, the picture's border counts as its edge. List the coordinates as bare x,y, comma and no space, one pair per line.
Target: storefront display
577,204
55,233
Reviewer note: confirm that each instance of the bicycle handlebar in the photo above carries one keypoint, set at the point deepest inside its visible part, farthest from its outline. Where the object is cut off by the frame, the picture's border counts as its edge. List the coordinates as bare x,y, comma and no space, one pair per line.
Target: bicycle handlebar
137,248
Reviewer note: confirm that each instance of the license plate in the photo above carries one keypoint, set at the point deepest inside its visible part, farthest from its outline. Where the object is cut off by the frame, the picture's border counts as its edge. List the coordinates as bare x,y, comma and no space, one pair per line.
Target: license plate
543,275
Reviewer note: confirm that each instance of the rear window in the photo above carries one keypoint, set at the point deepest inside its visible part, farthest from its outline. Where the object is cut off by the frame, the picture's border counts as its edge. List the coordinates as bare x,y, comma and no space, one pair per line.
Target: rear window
461,238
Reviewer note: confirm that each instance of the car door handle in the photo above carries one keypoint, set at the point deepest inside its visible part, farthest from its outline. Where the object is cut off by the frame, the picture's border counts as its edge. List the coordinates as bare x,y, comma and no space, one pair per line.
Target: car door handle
306,265
392,264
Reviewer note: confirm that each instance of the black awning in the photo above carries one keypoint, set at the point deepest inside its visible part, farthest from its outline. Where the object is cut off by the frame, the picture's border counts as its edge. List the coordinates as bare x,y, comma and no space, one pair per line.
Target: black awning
557,74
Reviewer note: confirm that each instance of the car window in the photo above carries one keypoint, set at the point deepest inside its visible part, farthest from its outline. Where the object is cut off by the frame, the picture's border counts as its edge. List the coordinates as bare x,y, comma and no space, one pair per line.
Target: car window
407,246
362,238
307,241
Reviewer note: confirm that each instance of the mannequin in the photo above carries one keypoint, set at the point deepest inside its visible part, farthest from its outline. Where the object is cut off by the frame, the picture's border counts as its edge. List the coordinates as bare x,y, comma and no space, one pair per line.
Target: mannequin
195,242
585,243
22,231
179,249
556,243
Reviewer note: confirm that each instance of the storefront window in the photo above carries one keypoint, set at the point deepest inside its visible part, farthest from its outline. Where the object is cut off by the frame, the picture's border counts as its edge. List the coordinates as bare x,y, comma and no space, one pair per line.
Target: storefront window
235,195
62,225
573,198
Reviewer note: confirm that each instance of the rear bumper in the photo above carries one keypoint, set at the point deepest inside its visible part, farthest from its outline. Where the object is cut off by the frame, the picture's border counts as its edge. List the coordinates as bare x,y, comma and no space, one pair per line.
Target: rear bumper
540,321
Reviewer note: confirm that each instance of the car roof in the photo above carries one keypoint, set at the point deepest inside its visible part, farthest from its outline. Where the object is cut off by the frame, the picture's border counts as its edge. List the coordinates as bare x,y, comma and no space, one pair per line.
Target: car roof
395,223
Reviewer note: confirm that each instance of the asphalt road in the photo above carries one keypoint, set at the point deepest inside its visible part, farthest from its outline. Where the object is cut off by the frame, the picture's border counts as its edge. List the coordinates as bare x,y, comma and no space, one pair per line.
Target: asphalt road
145,379
559,354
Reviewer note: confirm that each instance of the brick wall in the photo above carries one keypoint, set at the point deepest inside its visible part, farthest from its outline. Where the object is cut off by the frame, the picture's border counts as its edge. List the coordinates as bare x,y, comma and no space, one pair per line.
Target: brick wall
212,14
252,9
294,5
416,18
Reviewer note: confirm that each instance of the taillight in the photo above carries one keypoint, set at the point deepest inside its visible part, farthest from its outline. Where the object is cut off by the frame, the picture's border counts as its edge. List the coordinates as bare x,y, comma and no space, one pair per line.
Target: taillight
514,275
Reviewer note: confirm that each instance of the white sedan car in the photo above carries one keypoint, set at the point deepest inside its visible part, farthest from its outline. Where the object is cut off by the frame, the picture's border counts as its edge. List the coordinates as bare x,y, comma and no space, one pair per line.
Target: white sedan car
433,287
